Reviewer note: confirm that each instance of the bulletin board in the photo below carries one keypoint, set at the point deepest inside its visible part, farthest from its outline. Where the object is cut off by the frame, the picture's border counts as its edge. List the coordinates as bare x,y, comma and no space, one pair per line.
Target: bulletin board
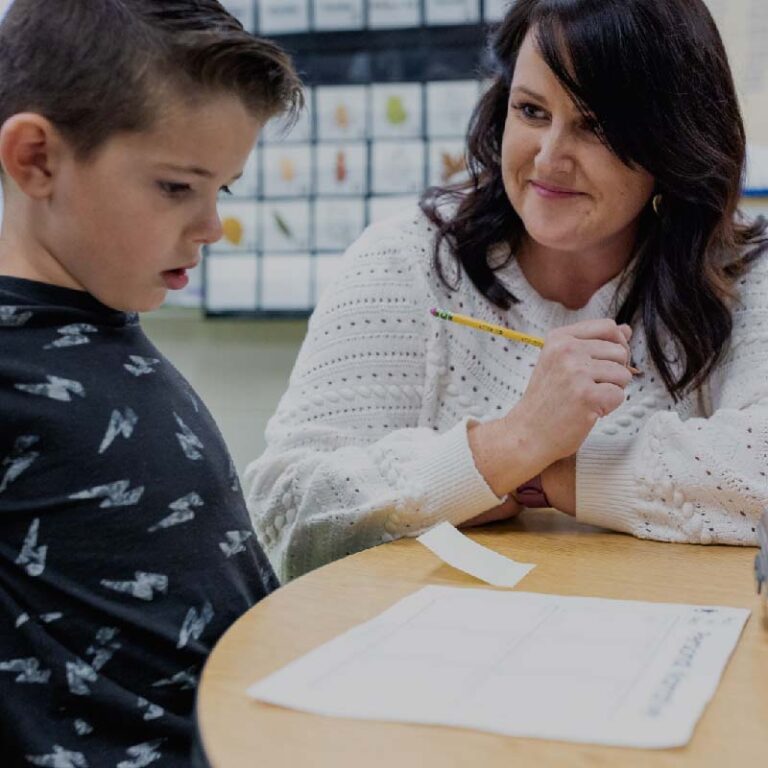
390,88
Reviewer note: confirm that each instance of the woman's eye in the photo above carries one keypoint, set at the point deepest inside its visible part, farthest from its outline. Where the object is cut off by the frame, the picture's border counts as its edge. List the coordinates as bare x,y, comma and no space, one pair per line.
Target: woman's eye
530,111
173,189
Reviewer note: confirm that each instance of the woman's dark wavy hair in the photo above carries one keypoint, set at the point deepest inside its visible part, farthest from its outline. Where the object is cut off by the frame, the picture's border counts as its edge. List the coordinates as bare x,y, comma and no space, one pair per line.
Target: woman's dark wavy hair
655,76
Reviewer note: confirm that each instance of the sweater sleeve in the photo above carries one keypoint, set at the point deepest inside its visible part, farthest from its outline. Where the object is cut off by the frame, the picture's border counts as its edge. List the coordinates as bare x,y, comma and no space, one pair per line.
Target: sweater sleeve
350,462
698,480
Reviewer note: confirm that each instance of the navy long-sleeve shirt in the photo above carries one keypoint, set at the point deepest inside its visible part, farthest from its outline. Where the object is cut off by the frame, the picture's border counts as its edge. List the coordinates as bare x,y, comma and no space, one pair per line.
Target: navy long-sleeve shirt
125,546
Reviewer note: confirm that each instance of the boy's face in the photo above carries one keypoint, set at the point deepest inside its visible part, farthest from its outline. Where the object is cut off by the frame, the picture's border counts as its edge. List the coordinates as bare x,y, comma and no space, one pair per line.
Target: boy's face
128,223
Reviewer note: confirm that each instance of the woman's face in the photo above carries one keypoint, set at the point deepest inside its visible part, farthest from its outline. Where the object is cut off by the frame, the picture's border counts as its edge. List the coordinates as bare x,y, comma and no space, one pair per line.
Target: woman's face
571,192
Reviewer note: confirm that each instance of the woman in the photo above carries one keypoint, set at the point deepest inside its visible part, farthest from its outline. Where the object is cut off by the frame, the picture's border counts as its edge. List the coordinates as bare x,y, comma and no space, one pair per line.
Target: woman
601,213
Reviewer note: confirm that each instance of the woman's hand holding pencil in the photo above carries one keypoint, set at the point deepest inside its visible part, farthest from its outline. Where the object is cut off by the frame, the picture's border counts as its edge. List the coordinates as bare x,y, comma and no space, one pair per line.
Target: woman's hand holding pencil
580,376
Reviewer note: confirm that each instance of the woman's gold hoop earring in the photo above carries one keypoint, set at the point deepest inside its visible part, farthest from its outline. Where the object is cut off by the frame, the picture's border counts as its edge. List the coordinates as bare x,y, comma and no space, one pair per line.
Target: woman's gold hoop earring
656,203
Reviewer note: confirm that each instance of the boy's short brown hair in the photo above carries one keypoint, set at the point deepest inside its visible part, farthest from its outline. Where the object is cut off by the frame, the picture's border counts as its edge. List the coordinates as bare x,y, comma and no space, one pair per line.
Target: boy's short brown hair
95,68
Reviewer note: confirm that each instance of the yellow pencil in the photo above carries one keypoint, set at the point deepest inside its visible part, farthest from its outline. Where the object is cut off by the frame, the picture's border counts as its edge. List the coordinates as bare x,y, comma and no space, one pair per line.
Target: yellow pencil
481,325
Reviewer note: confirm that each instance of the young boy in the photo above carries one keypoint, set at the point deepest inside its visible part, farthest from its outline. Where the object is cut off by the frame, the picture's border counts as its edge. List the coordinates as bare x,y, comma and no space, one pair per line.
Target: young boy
125,546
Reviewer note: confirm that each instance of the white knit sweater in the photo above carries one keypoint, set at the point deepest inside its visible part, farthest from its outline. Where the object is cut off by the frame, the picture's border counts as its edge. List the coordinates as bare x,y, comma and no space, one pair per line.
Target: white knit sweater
369,443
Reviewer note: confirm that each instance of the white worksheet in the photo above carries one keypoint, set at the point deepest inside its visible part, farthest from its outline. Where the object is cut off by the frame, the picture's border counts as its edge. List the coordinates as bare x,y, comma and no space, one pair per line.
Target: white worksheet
590,670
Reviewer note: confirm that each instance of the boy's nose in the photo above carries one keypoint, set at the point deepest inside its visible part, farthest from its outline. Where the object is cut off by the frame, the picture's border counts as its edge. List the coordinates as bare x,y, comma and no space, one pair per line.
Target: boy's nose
209,231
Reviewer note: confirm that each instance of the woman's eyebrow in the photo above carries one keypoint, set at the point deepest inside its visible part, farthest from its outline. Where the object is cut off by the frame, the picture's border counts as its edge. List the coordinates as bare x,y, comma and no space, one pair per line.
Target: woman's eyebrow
528,92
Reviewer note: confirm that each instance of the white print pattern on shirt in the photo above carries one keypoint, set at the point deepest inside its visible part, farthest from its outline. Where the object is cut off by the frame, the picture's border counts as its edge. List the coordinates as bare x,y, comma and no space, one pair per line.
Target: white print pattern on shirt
104,648
194,624
114,494
56,389
119,424
235,542
46,618
153,710
235,480
189,441
82,728
193,400
59,758
19,460
182,512
79,674
143,587
142,754
72,336
186,680
142,366
28,670
32,556
11,317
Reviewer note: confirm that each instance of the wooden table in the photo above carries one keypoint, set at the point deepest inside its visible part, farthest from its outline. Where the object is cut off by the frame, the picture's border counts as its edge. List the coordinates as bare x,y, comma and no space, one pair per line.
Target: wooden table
572,560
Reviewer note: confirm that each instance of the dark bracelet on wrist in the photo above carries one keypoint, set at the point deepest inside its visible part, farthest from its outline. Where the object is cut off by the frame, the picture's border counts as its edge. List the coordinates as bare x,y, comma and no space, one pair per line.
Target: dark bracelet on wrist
531,494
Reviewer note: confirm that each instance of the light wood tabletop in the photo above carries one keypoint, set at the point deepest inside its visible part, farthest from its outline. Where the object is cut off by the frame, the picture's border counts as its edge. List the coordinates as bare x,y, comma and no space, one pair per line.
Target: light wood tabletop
572,559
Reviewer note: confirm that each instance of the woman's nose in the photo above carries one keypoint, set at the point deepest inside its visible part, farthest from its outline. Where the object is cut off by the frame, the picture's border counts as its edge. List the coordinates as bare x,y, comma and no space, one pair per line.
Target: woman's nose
555,152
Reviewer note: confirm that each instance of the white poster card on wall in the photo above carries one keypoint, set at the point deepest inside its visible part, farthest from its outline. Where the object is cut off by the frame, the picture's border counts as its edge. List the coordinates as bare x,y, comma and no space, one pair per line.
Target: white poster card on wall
394,13
496,10
239,223
338,14
449,107
231,282
283,16
286,281
286,225
338,223
452,11
447,162
398,167
342,168
396,110
287,170
342,112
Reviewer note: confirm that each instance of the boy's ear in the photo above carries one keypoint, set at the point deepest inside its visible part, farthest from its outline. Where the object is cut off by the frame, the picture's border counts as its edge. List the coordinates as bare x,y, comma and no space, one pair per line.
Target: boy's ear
30,151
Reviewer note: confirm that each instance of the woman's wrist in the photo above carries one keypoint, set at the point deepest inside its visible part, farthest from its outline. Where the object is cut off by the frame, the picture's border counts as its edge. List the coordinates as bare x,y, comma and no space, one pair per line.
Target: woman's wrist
503,455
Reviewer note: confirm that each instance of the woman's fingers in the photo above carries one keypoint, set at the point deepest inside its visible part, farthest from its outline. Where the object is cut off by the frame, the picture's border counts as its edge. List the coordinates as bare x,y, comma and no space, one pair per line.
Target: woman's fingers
607,350
608,372
607,330
607,398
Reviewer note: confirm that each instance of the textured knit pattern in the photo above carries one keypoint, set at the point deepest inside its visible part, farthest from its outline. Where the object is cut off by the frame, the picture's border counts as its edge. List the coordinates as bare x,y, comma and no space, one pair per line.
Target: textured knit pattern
369,443
125,546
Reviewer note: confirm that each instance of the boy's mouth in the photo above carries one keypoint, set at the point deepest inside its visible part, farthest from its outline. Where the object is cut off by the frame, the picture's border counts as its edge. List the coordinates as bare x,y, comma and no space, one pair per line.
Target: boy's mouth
176,279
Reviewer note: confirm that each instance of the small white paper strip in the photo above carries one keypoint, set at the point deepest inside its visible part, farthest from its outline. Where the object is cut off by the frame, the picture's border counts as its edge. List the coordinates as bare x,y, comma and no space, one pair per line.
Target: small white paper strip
461,552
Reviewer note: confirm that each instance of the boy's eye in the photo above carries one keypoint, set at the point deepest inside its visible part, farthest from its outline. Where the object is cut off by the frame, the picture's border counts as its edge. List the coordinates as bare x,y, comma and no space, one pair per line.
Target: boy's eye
226,190
173,189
